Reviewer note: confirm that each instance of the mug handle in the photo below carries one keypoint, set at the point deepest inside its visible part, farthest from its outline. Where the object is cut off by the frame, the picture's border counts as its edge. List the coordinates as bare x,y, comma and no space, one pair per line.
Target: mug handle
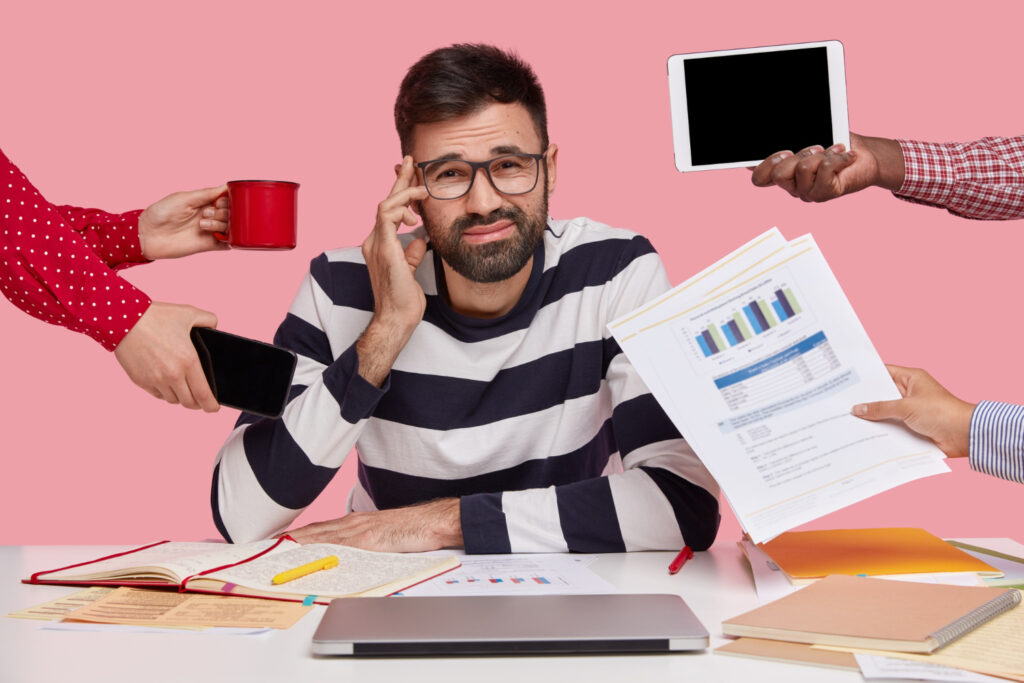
222,236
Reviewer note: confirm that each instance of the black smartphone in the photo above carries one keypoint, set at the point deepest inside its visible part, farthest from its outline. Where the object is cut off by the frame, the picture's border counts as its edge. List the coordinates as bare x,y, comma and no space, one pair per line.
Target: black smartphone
244,373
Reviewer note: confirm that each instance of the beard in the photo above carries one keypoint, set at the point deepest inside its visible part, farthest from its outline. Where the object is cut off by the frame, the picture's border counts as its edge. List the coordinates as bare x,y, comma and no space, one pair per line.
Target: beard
492,261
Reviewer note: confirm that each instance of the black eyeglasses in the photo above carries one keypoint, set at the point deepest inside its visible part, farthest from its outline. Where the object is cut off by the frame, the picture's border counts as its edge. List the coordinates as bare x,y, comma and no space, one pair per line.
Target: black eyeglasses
509,174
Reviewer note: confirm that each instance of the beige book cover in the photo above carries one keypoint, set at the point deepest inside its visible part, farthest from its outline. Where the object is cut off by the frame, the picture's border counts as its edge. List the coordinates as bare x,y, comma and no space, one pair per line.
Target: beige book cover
880,614
781,651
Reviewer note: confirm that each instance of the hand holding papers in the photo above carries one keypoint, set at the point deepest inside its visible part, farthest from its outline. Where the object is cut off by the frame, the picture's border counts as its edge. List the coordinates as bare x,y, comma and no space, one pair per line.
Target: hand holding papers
757,360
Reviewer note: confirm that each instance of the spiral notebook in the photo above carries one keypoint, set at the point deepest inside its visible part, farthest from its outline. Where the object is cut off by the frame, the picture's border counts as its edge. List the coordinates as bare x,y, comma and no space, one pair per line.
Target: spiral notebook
877,614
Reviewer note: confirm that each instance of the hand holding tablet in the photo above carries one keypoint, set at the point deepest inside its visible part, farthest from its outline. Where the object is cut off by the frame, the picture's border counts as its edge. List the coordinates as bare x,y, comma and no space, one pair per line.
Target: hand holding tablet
817,175
722,111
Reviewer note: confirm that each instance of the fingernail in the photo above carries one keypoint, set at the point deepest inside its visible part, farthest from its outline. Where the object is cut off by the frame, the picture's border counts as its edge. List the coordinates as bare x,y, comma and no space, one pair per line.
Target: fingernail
208,213
836,148
859,409
779,157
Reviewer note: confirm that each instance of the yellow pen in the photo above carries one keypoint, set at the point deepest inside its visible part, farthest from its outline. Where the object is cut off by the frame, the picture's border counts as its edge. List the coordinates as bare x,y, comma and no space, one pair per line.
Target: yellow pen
306,569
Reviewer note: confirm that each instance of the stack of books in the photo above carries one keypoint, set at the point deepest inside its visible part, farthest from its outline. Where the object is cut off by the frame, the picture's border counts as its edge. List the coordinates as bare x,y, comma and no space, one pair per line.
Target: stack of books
840,610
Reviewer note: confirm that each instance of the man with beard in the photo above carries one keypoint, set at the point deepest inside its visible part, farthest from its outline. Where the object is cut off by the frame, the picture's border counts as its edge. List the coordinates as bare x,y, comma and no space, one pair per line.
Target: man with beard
469,361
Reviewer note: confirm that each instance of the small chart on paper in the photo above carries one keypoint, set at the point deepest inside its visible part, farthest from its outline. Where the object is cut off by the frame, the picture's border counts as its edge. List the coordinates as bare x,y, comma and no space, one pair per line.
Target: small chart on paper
542,574
744,321
756,322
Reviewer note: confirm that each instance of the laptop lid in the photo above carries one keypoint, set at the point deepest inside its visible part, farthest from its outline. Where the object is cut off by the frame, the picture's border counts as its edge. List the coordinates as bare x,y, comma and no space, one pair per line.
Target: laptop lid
493,624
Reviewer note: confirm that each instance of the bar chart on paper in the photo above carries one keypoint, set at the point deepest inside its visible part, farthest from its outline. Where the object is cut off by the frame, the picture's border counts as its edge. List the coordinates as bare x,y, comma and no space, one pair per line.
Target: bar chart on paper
538,574
753,318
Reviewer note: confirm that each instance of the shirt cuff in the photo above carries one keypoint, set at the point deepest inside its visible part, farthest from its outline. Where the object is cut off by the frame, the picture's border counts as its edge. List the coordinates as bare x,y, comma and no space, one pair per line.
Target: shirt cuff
931,170
131,250
356,397
114,237
483,524
997,440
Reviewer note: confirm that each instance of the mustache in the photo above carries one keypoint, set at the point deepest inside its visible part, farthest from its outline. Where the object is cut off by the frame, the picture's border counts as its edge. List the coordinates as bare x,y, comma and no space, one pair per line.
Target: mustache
505,213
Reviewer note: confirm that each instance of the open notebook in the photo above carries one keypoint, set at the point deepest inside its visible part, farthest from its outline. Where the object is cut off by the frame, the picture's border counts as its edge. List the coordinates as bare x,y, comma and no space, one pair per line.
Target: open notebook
248,569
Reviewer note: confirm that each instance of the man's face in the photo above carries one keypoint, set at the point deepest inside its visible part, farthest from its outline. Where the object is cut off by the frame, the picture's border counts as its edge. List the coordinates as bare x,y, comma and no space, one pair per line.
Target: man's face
485,236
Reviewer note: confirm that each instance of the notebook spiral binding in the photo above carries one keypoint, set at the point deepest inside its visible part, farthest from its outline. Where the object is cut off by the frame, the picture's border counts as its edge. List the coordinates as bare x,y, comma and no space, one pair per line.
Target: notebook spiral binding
975,618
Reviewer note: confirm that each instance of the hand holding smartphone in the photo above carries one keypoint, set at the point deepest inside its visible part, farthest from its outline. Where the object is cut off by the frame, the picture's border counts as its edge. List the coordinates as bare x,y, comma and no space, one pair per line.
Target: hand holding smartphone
244,373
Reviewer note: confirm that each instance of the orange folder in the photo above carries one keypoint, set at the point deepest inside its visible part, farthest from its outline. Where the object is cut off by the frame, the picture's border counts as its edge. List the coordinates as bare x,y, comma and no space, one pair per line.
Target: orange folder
809,555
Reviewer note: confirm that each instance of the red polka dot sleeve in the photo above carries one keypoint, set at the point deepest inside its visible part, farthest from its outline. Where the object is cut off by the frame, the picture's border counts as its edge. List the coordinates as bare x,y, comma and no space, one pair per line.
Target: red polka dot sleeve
114,237
56,262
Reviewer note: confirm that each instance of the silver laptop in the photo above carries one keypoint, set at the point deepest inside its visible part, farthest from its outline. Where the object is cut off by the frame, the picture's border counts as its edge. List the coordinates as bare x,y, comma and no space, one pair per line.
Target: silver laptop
535,624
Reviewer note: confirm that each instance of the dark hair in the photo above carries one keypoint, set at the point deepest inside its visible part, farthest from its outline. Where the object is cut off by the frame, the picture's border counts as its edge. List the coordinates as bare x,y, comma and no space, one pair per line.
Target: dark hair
462,79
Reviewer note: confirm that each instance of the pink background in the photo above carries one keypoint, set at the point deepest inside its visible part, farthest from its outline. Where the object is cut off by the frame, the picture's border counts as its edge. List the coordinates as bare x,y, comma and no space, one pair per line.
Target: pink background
115,104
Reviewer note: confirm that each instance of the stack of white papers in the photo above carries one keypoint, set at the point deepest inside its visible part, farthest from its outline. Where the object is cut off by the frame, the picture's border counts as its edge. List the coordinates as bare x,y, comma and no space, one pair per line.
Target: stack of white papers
758,360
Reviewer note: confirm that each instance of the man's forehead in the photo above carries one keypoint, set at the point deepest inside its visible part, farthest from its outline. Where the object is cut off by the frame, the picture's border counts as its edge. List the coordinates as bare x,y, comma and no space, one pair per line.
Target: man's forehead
495,129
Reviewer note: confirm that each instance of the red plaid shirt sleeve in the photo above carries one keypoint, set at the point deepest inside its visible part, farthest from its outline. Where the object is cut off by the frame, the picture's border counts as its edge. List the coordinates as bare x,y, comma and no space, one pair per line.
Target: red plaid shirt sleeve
56,262
983,179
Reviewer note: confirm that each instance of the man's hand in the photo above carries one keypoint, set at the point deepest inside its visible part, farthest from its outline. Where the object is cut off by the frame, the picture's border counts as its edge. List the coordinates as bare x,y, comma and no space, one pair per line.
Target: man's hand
399,301
158,355
927,408
815,174
184,223
429,526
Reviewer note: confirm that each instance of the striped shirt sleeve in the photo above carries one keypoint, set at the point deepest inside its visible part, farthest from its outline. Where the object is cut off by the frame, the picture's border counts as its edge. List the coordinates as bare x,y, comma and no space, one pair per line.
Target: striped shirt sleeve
269,470
997,440
983,179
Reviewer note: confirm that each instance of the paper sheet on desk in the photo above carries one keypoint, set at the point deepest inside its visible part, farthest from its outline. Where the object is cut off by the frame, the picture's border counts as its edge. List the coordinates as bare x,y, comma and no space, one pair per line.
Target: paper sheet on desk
122,628
872,666
144,607
57,609
993,648
532,574
758,360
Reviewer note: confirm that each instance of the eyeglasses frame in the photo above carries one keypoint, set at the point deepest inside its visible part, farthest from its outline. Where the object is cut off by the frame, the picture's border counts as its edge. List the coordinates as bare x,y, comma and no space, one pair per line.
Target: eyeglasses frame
476,166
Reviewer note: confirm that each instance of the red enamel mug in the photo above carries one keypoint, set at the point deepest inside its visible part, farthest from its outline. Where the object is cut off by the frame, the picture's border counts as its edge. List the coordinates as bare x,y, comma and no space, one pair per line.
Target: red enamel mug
264,214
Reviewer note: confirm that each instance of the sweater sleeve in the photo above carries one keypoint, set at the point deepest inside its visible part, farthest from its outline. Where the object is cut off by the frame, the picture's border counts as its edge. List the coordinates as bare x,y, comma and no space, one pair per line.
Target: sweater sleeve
49,270
661,498
270,470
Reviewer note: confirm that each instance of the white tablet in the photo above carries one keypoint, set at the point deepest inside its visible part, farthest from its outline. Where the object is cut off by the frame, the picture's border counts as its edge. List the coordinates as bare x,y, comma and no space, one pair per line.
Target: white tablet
735,108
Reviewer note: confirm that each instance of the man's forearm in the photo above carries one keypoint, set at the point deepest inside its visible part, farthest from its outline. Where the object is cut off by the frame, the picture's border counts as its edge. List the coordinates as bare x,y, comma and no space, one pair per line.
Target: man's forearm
443,519
378,349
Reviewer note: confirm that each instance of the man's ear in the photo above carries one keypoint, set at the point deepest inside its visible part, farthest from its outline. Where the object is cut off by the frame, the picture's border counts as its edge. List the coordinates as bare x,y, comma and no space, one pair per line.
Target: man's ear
551,158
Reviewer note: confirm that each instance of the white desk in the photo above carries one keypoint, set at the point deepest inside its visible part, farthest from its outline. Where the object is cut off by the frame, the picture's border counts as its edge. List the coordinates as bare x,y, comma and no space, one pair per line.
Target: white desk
716,584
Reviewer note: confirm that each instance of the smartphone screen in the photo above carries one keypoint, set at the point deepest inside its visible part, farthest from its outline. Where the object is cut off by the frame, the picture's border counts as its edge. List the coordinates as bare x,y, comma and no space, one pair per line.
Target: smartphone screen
244,373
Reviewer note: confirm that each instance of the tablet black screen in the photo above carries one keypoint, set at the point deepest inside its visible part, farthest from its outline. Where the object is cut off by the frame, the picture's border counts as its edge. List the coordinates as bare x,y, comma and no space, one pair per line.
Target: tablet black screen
743,107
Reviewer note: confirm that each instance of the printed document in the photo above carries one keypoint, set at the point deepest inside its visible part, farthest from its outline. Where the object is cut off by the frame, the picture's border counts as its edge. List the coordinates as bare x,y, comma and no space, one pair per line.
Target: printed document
758,360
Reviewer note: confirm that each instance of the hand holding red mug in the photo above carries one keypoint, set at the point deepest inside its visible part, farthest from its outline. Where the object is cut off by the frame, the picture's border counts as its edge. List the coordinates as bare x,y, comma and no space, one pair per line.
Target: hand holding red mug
184,223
